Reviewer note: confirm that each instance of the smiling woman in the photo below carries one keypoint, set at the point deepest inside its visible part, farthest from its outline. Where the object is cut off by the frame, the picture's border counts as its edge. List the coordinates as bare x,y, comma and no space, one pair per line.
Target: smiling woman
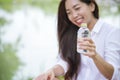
103,47
79,13
37,34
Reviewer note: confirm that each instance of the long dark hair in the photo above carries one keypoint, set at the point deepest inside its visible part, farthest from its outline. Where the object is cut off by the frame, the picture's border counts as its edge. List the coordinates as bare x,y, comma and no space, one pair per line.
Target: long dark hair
67,38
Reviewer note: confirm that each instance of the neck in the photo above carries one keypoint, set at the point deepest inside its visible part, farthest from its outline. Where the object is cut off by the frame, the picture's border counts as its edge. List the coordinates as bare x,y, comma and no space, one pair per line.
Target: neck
92,24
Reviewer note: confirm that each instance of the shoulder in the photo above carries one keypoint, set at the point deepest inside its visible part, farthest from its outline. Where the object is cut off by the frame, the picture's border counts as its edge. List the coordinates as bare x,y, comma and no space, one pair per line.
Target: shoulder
109,31
109,28
113,33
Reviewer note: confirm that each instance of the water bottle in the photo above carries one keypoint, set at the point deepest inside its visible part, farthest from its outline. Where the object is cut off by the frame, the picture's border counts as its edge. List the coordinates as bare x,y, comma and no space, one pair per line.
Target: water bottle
82,33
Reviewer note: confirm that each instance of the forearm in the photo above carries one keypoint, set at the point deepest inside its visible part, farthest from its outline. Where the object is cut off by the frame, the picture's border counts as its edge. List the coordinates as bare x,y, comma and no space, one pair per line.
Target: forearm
58,70
104,67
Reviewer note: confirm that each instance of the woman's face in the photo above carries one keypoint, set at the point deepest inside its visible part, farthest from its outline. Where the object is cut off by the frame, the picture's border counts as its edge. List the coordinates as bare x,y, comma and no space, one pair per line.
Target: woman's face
79,12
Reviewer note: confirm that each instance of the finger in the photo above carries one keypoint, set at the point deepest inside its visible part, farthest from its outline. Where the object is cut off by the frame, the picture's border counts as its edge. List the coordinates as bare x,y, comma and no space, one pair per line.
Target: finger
92,45
51,77
88,39
45,77
91,49
87,48
86,43
80,40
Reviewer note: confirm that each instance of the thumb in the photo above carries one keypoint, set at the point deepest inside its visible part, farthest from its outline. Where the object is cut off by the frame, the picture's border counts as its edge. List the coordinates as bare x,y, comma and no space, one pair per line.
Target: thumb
51,75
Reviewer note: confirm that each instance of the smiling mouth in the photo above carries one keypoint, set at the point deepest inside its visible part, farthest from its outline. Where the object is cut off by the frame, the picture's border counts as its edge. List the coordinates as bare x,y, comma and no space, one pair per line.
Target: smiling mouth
79,21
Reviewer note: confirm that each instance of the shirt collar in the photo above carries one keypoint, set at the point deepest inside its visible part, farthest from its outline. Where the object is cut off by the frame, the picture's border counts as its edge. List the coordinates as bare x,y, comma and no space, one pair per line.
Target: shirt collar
97,26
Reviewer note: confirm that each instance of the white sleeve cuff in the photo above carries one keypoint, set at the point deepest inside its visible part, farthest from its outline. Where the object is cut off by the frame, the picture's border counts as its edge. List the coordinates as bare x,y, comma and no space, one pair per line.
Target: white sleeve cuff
62,63
116,73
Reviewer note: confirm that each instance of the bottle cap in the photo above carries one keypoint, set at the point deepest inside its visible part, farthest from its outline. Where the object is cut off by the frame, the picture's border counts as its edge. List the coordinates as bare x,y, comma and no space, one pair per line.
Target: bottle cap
83,25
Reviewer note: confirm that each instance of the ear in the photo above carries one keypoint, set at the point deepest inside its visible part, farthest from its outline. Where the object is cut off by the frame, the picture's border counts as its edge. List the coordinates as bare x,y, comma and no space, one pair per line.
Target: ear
92,7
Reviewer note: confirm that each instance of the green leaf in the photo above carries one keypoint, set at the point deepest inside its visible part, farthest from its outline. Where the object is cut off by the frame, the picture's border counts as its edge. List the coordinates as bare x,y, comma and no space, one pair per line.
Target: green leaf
61,77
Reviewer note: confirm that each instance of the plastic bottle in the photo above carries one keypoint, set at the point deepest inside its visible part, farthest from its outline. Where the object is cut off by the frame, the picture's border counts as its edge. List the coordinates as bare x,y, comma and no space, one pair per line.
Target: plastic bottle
82,33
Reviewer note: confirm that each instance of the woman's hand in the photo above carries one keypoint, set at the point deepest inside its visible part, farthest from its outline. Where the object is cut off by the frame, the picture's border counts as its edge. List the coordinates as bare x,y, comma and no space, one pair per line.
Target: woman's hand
49,75
87,44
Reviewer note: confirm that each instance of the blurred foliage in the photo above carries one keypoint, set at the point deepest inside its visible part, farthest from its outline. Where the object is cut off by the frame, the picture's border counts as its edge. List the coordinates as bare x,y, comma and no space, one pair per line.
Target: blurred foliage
49,6
9,62
2,21
30,78
6,4
10,5
111,7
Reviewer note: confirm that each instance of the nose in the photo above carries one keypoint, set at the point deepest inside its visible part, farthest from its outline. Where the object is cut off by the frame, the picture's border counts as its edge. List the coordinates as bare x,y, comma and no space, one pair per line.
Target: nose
74,15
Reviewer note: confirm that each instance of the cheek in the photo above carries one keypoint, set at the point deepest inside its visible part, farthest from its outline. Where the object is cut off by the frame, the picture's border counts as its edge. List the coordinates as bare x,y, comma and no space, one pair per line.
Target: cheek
70,18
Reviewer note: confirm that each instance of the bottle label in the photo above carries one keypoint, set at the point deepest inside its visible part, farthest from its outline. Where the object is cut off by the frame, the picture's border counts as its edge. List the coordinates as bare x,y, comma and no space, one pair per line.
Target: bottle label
82,33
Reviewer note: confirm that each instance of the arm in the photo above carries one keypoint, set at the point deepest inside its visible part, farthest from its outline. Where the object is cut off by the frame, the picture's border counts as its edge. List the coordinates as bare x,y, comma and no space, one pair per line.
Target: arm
53,73
104,67
58,70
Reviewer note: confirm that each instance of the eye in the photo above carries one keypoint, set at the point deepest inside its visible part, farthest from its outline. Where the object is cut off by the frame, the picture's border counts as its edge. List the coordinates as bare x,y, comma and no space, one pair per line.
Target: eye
77,8
68,12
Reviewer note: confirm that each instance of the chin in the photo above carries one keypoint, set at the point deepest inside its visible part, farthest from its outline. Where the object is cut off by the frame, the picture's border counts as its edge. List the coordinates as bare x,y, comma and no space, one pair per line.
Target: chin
77,25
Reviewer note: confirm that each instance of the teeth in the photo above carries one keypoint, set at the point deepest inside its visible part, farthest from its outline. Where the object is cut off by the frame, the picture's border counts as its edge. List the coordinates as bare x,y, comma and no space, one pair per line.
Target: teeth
79,21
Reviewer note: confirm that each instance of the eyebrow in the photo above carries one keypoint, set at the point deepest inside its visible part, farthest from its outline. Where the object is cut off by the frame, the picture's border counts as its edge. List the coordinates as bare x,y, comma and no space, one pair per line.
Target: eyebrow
72,7
75,5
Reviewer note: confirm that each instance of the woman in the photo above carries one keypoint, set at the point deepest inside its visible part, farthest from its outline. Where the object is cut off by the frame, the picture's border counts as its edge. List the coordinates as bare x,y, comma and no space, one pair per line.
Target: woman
101,62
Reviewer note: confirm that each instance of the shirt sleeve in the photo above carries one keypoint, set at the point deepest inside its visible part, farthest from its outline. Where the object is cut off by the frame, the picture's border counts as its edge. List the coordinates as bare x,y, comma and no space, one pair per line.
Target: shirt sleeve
112,52
62,63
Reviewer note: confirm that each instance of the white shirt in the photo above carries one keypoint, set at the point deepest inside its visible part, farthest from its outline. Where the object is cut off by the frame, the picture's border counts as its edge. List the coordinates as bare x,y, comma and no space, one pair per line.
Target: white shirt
107,41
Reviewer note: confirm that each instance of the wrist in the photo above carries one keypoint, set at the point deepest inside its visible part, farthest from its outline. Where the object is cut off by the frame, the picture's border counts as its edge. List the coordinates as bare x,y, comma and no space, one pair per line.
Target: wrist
94,56
50,71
